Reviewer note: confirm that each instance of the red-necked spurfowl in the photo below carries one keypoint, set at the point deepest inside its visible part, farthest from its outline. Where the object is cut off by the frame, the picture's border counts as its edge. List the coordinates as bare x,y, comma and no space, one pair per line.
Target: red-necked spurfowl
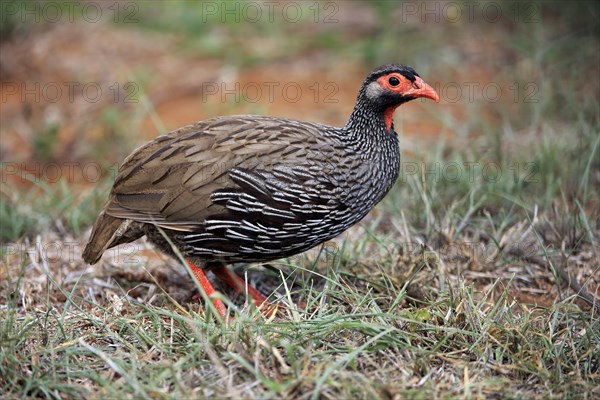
253,189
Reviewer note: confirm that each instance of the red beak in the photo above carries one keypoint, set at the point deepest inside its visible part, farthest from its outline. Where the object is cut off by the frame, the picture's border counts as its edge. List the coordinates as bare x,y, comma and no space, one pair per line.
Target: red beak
421,89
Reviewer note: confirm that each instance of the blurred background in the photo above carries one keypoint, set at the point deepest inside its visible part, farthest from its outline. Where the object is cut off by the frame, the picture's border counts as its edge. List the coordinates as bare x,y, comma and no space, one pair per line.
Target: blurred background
84,83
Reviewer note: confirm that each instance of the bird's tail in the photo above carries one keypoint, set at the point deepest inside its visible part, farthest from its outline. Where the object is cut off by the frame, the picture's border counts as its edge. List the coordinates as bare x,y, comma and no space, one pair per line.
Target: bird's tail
106,233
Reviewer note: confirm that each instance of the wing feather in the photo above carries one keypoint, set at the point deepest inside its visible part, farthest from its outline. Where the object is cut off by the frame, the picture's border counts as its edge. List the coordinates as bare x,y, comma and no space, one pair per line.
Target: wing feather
169,181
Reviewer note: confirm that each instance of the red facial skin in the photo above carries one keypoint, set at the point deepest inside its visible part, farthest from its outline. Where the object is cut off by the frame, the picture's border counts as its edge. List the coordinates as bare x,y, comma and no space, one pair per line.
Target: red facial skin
406,88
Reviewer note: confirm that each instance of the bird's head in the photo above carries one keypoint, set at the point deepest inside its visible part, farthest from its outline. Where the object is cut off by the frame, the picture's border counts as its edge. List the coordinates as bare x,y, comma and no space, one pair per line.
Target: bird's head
391,85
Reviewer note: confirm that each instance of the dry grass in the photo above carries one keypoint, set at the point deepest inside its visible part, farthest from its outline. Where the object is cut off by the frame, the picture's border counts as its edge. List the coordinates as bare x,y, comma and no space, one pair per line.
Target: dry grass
378,323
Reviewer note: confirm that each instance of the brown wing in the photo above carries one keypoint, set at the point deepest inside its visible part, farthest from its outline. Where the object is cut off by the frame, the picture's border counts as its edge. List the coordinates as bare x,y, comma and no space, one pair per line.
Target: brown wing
168,182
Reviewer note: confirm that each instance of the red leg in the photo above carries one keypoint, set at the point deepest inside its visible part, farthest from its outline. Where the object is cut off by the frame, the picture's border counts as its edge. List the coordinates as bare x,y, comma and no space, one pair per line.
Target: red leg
238,284
207,288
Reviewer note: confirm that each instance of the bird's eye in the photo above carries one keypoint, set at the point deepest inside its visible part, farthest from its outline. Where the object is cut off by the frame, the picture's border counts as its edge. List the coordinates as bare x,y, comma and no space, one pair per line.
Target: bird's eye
394,81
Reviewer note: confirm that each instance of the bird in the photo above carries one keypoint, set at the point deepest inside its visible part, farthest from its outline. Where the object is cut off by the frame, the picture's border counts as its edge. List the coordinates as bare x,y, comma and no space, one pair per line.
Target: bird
252,189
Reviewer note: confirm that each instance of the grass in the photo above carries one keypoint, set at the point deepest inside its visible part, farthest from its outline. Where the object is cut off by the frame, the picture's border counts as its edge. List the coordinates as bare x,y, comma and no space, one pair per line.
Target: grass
353,340
60,207
472,286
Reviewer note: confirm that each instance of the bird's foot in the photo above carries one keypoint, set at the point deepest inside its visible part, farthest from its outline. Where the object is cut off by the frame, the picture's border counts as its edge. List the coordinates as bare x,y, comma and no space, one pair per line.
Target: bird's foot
208,289
240,286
